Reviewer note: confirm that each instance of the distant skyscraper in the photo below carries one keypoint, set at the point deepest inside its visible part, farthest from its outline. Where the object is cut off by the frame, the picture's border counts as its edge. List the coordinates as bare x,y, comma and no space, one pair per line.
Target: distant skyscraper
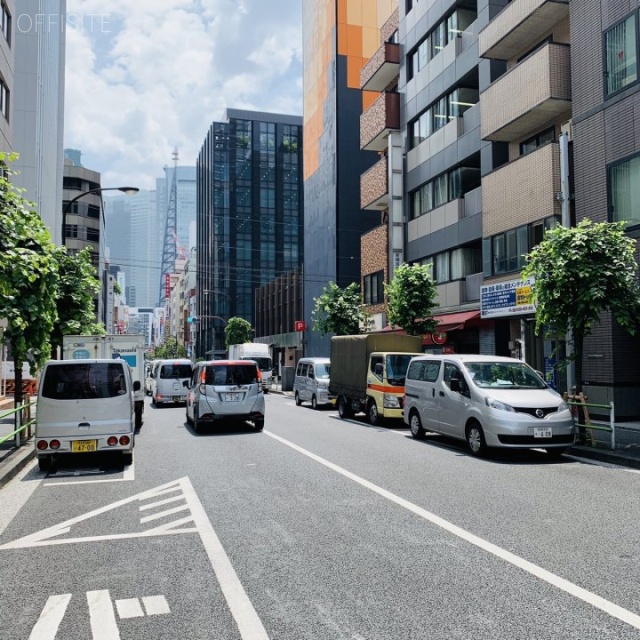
74,156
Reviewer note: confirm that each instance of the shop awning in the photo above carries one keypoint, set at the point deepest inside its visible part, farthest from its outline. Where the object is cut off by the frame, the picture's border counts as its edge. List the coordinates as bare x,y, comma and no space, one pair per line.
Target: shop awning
453,321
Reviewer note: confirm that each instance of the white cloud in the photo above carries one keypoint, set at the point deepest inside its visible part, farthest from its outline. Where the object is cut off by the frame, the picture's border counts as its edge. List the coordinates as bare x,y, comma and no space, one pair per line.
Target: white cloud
150,75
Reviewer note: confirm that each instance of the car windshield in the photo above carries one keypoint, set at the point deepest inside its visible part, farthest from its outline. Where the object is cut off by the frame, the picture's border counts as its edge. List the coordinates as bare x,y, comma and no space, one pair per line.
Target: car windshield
397,367
84,381
231,374
264,364
322,371
175,371
504,375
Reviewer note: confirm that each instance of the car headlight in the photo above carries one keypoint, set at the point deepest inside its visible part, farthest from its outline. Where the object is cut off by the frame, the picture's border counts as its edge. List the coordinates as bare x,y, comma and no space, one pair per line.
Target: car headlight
496,404
390,402
563,406
323,385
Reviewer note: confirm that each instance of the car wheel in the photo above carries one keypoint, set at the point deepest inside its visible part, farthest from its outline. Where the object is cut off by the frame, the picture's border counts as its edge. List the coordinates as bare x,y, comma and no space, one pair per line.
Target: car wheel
258,424
373,417
127,458
475,439
314,403
415,424
556,452
44,464
297,399
344,410
138,417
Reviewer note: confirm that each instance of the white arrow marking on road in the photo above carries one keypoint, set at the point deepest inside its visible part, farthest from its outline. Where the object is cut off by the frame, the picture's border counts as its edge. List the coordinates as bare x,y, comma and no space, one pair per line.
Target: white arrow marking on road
50,618
589,597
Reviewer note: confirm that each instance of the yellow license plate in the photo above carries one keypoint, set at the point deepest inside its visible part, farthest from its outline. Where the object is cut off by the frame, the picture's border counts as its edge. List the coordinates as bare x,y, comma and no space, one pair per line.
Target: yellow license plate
84,446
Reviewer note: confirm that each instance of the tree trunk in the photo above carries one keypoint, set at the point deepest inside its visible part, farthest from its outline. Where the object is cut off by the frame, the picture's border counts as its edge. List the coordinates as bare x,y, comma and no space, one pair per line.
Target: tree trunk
578,343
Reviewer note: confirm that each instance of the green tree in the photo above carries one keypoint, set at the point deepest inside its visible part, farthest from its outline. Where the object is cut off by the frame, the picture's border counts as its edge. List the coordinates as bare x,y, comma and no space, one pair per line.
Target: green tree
77,286
411,299
340,311
237,331
170,349
580,272
28,278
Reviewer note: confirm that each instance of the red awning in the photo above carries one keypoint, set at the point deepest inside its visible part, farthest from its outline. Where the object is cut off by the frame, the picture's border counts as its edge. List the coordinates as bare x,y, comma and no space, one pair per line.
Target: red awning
453,321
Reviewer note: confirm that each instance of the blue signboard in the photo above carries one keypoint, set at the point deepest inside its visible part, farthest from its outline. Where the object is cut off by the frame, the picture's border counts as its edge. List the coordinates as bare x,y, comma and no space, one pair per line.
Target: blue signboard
504,299
80,354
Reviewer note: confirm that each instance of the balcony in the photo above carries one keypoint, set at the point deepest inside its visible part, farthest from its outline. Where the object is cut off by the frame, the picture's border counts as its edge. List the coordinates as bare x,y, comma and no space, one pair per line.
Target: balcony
522,191
382,68
378,121
374,186
519,26
527,97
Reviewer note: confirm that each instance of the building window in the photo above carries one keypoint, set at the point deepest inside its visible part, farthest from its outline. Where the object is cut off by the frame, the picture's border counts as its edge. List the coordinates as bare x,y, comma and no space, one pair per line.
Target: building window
621,55
4,99
5,22
374,288
455,264
548,135
624,191
445,188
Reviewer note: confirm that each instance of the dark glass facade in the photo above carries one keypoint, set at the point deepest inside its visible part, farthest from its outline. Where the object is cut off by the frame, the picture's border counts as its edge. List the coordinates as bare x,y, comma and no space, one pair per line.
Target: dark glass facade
249,220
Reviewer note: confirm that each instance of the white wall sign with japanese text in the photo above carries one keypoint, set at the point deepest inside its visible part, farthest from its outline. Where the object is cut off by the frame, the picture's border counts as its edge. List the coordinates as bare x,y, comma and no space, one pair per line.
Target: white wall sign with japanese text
506,299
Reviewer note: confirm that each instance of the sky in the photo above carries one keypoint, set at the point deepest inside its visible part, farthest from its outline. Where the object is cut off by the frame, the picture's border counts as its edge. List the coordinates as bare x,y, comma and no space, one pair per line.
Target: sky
146,76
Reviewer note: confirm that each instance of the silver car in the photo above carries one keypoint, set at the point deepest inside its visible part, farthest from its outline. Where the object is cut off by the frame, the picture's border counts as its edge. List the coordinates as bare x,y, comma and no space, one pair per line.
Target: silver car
225,390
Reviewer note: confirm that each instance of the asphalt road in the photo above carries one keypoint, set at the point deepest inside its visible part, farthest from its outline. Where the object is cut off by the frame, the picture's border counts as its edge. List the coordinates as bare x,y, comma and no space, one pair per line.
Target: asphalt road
319,529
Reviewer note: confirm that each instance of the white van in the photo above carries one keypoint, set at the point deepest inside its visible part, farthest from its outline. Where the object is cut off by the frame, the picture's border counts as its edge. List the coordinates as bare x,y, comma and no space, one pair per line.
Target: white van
167,379
311,382
85,406
489,401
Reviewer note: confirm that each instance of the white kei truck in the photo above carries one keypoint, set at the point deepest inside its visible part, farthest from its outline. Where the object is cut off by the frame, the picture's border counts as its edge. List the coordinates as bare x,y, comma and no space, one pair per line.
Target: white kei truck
258,352
128,347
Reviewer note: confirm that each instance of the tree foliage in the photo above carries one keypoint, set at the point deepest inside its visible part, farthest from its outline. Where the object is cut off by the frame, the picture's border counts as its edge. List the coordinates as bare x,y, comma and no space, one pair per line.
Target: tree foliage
238,331
340,311
28,278
170,349
580,272
411,299
77,286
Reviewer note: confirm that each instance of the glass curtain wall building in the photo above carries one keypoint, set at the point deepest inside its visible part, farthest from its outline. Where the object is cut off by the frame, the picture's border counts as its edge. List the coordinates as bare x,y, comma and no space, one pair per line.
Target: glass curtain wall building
249,225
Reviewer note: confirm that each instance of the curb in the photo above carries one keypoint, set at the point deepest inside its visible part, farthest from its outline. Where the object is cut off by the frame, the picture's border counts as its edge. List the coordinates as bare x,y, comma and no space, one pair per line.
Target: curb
605,456
15,462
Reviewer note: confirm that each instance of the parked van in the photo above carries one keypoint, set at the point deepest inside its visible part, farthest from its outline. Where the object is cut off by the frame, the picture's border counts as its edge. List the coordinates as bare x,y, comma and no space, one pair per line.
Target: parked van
167,379
148,380
85,406
225,390
311,383
489,401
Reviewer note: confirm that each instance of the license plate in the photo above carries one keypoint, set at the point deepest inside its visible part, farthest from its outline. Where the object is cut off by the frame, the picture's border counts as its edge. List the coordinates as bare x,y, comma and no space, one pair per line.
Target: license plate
231,397
84,446
545,432
177,399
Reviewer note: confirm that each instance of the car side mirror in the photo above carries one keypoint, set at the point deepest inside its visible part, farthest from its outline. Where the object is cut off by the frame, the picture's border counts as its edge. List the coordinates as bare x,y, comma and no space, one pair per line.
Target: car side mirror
136,385
185,383
455,385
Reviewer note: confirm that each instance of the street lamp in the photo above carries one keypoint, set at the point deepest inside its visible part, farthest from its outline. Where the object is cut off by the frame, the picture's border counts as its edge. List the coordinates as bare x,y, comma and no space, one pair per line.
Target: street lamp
130,191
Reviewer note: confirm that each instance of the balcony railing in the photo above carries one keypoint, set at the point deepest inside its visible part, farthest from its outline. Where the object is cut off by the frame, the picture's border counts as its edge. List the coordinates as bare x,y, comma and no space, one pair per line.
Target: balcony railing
529,96
519,26
382,68
378,121
374,186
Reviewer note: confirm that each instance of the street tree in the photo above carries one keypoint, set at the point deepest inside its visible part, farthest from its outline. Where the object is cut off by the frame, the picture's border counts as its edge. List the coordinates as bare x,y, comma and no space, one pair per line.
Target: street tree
170,349
581,272
28,278
340,311
77,286
237,331
411,299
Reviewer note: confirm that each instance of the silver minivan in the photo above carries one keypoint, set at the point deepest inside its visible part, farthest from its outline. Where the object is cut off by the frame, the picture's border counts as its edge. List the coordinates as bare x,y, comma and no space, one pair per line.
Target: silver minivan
85,406
225,390
489,401
311,382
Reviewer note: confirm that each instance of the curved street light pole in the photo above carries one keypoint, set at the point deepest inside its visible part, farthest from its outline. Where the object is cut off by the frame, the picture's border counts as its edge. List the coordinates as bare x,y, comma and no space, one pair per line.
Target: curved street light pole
130,191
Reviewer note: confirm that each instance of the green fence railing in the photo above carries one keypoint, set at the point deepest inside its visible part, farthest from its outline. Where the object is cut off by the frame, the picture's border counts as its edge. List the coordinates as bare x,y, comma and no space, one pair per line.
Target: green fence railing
579,403
23,422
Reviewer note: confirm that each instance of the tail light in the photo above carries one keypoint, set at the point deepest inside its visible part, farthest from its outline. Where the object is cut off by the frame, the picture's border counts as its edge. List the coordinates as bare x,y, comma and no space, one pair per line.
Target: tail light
125,440
112,441
42,445
55,444
259,375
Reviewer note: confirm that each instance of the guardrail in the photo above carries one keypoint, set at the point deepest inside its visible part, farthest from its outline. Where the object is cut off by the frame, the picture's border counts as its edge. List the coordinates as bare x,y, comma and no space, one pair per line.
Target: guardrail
23,422
580,402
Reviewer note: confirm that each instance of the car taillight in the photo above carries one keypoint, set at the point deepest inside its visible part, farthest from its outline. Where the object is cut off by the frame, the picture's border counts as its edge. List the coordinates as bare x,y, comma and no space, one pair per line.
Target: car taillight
55,444
42,445
112,441
259,375
125,440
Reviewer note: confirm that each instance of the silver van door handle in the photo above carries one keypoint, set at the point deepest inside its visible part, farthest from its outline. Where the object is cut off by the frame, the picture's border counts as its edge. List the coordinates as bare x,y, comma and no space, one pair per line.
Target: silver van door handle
84,425
433,392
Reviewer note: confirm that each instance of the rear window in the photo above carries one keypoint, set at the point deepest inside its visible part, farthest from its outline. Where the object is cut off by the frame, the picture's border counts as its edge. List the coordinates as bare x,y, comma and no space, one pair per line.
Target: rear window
84,381
174,371
228,374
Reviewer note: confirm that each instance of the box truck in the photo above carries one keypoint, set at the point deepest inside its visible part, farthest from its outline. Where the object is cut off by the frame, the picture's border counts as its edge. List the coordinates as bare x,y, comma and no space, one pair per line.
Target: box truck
129,348
255,351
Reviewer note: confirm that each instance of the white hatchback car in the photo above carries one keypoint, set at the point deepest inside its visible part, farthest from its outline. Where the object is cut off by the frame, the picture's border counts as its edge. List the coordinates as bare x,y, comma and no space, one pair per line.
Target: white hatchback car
225,390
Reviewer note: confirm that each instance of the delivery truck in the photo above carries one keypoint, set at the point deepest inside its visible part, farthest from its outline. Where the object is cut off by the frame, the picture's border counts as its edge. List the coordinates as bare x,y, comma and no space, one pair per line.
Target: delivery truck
368,373
129,348
258,352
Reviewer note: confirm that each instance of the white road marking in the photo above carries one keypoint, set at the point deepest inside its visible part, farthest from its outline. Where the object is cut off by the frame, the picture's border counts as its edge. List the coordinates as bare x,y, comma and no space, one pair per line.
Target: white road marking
102,616
164,514
155,605
47,626
129,608
596,601
153,505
